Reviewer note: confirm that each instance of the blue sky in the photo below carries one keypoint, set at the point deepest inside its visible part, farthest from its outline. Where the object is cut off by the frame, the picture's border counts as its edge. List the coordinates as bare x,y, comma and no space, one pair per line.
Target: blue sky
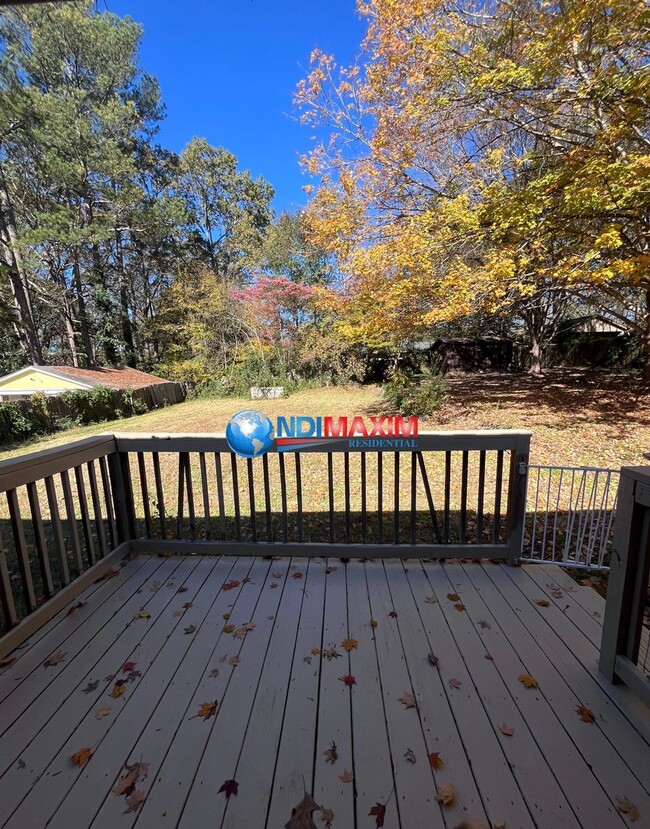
228,69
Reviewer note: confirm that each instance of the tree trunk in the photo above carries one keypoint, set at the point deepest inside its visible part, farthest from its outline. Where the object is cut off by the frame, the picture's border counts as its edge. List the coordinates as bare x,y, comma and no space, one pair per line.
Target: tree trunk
10,255
646,340
127,326
83,315
535,355
105,310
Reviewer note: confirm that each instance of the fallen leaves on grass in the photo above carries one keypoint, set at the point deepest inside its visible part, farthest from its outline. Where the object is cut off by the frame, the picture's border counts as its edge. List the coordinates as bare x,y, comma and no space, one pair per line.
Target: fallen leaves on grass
528,681
102,712
543,602
409,754
229,787
206,710
446,794
54,659
301,815
230,585
74,607
331,755
505,729
624,805
348,680
349,644
585,714
92,686
81,757
347,776
408,700
378,811
435,760
454,683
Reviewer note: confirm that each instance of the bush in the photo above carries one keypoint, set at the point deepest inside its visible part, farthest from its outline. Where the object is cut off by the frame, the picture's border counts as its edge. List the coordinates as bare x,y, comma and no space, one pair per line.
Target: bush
40,415
414,395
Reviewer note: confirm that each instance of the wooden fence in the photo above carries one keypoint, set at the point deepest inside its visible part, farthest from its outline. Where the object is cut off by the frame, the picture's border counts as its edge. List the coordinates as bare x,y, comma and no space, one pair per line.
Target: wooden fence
73,508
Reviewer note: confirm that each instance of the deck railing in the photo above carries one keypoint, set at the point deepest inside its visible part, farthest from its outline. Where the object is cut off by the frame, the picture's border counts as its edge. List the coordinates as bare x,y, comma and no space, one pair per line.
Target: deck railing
453,494
624,653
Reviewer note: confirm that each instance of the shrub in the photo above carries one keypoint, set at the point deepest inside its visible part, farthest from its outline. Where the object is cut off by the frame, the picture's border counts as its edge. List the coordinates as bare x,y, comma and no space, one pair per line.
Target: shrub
414,395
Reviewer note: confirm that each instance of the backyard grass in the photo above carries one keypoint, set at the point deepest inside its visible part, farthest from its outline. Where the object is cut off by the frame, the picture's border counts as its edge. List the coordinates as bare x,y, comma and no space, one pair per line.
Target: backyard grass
577,417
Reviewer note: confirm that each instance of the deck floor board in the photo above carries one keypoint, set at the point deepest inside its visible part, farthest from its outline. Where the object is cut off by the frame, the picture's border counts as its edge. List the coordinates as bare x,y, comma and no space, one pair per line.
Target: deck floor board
283,703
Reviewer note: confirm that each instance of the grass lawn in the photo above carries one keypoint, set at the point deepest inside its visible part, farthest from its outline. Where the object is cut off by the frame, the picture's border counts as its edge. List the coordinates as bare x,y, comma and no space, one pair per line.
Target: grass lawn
577,417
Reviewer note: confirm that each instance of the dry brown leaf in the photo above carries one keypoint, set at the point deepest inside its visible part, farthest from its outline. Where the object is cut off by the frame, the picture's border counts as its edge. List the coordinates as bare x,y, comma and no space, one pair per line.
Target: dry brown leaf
435,760
229,628
454,683
230,585
327,816
74,607
107,574
430,599
297,575
433,659
484,625
134,801
234,661
229,787
528,681
250,626
585,714
349,644
346,777
409,754
126,784
331,653
453,597
505,729
331,755
542,602
408,699
81,757
315,651
55,659
459,606
301,815
143,614
190,629
378,811
446,794
7,661
624,805
206,710
92,686
102,712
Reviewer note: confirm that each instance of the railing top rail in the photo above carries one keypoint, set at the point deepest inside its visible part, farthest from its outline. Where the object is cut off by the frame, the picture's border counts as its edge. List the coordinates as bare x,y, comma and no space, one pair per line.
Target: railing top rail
573,468
33,466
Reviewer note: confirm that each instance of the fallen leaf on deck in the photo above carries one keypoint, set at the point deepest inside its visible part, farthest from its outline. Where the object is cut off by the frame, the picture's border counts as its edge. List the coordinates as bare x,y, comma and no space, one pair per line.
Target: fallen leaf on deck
315,651
585,714
556,592
374,623
307,659
127,667
7,661
453,597
133,675
74,607
234,661
187,605
410,755
206,710
177,613
81,757
240,633
484,625
542,602
250,626
226,616
475,824
488,657
182,589
528,681
142,614
431,600
102,712
229,787
346,777
408,700
331,653
348,680
446,794
229,628
301,815
327,816
459,606
454,683
246,580
190,629
329,570
297,575
214,672
627,807
393,615
109,678
331,755
349,644
92,686
118,689
505,729
277,575
155,586
435,760
230,585
134,801
126,785
378,811
57,657
108,574
433,659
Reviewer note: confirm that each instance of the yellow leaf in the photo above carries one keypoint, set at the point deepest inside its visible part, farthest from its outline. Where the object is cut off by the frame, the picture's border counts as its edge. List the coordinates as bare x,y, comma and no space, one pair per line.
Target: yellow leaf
528,681
446,794
349,644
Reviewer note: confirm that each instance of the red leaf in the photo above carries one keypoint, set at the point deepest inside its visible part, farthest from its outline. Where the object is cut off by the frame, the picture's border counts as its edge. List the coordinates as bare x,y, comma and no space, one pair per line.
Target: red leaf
230,585
379,813
454,683
297,576
74,607
505,729
348,680
585,714
435,760
229,787
128,667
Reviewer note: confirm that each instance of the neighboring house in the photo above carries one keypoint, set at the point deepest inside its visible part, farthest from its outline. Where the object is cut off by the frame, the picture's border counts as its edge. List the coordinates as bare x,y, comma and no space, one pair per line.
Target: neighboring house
53,380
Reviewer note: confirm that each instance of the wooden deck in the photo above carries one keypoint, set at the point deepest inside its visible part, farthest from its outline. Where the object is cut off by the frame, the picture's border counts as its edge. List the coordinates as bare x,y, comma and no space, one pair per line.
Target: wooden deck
515,756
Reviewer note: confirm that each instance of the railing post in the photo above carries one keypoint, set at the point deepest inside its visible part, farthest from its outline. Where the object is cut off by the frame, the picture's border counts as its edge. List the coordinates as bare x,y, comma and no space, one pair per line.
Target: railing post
628,583
120,474
517,484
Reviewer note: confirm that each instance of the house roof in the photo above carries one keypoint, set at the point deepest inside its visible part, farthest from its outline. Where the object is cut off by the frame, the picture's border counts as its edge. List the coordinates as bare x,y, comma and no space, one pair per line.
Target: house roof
116,378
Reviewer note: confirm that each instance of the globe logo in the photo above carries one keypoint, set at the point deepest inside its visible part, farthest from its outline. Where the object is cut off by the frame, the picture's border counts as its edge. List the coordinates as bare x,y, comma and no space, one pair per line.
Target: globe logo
249,433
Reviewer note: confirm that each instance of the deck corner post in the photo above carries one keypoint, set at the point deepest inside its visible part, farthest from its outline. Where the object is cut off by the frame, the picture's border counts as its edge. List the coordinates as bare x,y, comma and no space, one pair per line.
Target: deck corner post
120,474
517,486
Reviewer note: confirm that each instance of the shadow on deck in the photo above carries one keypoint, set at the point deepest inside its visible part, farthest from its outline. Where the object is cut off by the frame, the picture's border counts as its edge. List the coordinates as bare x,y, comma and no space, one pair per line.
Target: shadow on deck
180,674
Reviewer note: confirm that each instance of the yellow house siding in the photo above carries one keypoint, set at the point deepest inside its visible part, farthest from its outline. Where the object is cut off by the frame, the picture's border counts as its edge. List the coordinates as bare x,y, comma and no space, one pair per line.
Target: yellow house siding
35,380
